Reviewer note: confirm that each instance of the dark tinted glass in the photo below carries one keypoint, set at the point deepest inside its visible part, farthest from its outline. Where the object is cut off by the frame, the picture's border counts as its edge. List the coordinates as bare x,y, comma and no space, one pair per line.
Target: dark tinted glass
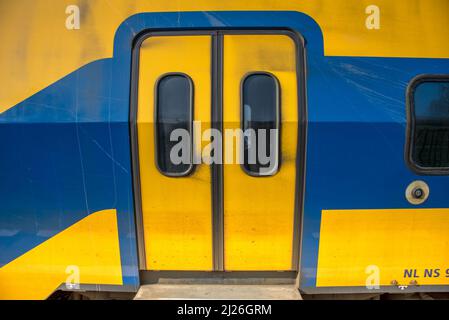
431,124
173,111
260,99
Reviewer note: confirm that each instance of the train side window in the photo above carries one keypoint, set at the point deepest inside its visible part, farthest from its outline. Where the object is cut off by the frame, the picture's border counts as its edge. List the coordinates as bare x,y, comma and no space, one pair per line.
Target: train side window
174,116
428,125
260,123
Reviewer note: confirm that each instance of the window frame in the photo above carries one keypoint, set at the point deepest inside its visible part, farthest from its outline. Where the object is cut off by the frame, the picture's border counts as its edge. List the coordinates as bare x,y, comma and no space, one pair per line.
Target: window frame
411,124
277,120
191,167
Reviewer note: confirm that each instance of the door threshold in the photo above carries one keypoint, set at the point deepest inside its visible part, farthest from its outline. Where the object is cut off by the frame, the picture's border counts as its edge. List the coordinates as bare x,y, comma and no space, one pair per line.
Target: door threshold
217,292
219,277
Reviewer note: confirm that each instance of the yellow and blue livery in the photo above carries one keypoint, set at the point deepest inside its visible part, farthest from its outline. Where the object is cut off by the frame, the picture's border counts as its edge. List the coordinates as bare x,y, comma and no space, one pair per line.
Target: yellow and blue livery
81,198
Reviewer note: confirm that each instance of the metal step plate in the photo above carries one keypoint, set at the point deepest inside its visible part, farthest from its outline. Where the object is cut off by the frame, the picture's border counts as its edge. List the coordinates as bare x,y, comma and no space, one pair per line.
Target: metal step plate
217,292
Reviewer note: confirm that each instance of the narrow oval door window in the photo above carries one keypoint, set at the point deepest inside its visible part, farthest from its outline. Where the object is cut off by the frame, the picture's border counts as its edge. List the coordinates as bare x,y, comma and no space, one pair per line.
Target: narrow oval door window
174,114
260,122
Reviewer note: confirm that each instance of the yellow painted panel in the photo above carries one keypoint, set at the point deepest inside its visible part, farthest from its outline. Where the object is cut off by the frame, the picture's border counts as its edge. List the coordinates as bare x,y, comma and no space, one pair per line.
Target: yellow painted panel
46,51
91,245
177,214
393,240
259,211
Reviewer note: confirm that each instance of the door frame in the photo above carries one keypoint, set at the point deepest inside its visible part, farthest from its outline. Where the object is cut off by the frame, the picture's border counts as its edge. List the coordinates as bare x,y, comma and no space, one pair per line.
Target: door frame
217,123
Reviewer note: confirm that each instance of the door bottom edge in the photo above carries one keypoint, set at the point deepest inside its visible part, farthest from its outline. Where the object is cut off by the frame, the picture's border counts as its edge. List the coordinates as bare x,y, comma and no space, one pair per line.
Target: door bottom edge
218,277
